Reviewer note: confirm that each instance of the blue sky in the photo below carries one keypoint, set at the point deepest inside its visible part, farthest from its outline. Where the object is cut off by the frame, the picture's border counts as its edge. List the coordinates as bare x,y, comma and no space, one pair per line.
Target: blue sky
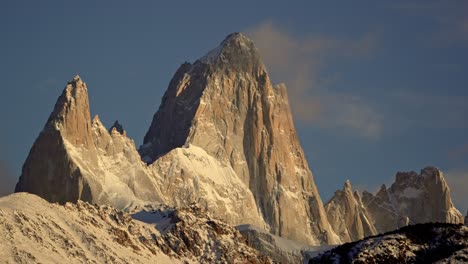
375,88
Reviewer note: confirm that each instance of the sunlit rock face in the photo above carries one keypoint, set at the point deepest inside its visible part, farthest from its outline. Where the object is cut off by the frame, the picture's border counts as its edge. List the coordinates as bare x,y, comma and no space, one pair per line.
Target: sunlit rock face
226,104
413,198
348,216
223,137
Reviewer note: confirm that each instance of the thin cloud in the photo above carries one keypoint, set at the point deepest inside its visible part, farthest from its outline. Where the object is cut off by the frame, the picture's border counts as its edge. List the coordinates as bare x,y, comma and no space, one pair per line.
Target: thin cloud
301,64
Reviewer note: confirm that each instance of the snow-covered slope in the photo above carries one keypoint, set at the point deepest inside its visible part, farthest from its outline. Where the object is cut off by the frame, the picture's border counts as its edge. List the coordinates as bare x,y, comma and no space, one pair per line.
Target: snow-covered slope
421,243
280,249
35,231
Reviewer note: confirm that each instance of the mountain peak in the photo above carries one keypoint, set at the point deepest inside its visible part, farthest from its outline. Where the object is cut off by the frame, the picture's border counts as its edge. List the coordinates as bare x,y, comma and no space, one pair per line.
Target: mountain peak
71,114
237,37
347,185
75,79
236,50
118,127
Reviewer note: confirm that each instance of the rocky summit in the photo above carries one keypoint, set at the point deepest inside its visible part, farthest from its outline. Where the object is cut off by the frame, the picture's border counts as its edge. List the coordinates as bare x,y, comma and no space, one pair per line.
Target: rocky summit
234,150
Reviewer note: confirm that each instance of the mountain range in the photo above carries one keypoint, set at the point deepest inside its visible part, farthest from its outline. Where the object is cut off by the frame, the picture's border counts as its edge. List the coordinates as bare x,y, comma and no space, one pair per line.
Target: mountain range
224,139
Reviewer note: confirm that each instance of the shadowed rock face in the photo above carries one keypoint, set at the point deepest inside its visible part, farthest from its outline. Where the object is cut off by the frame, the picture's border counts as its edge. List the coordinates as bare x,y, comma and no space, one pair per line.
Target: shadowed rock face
412,198
226,104
348,216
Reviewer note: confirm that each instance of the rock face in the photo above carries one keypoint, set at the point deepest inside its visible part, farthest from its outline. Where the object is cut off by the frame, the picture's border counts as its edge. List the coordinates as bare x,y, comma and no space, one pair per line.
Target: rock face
413,198
225,104
223,137
421,243
35,231
49,170
466,219
348,216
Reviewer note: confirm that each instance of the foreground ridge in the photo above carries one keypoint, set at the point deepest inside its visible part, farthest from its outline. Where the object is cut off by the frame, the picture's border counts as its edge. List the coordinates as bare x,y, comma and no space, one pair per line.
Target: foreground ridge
421,243
33,230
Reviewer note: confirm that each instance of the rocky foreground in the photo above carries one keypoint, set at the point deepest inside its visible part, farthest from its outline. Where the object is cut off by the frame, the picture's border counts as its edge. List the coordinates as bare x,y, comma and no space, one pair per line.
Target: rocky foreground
35,231
421,243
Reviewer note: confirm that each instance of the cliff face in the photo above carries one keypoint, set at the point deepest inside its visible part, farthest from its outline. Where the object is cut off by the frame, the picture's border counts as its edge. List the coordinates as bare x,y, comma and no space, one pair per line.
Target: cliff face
348,216
225,104
223,137
48,158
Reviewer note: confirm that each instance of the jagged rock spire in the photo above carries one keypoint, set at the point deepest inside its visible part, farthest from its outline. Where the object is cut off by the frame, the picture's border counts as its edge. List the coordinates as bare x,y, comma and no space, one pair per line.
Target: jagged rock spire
413,198
71,114
48,170
348,216
225,104
118,127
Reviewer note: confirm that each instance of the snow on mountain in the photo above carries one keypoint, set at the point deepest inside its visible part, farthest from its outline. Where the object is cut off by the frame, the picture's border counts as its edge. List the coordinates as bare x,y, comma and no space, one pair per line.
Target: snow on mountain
35,231
421,243
280,249
226,104
223,137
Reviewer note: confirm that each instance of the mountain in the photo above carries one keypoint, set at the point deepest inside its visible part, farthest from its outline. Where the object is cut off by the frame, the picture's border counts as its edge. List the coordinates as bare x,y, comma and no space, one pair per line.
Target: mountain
413,198
223,137
35,231
421,243
348,216
225,104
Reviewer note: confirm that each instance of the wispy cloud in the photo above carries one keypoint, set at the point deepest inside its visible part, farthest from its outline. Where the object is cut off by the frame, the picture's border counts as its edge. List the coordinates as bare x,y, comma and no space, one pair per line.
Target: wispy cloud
7,182
300,63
